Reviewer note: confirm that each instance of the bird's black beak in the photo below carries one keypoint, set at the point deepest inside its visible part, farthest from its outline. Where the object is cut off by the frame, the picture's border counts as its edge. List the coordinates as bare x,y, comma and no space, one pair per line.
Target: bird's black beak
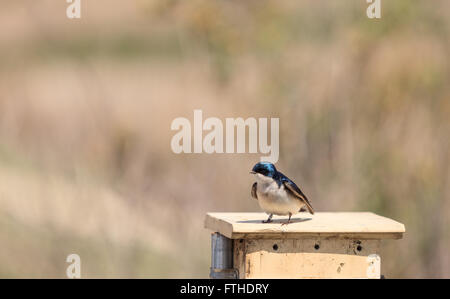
252,172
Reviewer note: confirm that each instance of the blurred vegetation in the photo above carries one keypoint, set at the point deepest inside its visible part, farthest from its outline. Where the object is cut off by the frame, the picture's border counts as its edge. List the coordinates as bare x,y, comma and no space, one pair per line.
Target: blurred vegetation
86,106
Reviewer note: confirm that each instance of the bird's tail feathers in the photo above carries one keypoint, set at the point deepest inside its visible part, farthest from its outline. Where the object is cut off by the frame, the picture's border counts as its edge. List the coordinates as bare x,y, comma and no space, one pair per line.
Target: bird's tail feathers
308,207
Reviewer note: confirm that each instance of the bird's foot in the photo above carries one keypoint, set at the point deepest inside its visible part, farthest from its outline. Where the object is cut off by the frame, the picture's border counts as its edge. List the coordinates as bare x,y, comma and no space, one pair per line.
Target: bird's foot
289,220
268,219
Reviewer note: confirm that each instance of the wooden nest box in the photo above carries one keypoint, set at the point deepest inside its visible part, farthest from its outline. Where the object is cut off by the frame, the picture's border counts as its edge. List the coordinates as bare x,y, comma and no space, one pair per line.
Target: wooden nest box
323,245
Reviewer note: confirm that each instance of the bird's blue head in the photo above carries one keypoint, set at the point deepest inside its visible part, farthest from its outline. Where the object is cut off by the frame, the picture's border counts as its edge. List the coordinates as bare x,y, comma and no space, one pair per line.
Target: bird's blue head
264,168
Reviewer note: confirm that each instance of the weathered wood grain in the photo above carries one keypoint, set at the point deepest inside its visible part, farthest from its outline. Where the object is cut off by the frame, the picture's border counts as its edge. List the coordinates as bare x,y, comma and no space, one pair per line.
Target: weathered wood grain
307,258
353,225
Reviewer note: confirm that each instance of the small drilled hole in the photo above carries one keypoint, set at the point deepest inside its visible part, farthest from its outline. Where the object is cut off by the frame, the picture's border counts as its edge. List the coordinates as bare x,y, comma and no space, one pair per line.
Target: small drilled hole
241,240
275,247
359,248
316,247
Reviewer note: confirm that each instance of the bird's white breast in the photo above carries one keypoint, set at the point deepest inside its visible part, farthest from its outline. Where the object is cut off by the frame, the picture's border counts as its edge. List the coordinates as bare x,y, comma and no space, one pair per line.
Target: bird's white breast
274,199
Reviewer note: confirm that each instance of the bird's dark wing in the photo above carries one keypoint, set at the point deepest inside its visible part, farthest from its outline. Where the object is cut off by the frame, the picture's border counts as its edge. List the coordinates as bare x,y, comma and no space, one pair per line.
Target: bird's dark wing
294,190
254,191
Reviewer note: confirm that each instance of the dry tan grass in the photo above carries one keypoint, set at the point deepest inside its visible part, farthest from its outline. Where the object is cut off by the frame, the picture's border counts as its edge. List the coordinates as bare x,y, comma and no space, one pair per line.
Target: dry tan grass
86,107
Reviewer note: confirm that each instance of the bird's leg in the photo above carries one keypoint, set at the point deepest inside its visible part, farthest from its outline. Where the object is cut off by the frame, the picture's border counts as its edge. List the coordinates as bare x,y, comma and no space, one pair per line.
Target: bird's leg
268,219
289,220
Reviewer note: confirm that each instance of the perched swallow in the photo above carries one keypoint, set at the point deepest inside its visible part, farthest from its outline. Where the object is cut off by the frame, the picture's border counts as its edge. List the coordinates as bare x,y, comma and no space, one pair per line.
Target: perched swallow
276,193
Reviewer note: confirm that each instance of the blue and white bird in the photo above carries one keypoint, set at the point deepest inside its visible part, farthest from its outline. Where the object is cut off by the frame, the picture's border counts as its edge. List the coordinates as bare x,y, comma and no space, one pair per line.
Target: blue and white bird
276,193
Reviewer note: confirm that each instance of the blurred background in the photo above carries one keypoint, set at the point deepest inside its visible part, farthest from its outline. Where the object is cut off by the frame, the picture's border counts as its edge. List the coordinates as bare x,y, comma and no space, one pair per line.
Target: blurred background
86,105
